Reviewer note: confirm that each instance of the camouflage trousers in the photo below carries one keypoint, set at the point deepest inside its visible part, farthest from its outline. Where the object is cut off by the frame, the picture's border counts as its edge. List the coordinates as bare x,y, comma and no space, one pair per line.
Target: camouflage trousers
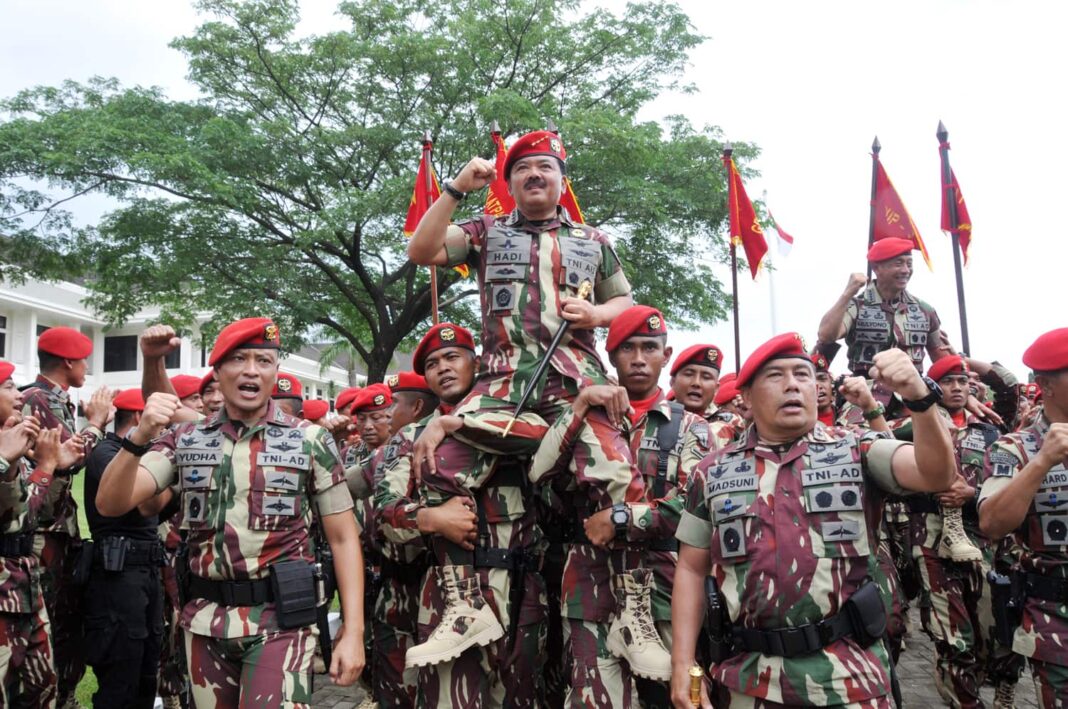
173,677
1051,684
556,671
464,460
395,622
505,673
58,553
598,678
723,698
266,670
896,606
27,676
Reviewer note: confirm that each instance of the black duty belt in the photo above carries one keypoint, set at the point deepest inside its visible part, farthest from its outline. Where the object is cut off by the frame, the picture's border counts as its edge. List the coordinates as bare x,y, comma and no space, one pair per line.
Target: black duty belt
231,593
16,545
1046,588
793,642
138,552
408,574
923,504
669,544
511,559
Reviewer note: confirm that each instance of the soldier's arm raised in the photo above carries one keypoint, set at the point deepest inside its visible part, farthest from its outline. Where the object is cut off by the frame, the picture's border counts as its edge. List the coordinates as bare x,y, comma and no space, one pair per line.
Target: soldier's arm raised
427,245
833,325
125,482
156,343
1004,510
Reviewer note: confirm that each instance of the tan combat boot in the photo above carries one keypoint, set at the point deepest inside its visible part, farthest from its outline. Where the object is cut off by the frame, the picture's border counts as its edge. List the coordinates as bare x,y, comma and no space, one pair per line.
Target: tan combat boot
1004,696
633,636
955,544
468,621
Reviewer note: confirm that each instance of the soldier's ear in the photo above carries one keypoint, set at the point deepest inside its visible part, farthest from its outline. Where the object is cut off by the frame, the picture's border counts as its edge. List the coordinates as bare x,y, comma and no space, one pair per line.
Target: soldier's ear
667,355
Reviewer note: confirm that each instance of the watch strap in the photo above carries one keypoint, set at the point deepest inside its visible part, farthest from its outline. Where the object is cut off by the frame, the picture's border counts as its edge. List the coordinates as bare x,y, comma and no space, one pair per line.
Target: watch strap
134,449
453,192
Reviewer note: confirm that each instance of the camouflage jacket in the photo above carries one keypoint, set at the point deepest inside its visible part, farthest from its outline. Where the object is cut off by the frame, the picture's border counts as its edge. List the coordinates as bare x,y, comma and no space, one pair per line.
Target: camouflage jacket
524,272
51,405
793,533
22,495
873,325
248,497
1041,541
396,495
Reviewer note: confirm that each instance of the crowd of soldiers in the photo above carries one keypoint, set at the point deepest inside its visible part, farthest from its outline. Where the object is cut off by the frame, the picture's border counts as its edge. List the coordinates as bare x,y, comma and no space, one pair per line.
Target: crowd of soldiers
512,524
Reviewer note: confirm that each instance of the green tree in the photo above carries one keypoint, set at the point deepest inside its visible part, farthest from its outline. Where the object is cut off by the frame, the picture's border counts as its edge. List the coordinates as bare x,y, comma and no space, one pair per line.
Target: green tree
283,189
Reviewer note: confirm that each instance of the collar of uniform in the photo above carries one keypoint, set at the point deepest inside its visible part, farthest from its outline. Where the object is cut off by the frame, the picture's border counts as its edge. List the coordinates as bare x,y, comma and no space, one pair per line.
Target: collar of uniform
873,296
1041,425
661,406
273,415
55,389
516,219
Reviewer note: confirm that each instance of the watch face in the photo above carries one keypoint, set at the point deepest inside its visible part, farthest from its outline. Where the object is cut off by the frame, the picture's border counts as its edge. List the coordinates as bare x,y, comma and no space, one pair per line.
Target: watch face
619,517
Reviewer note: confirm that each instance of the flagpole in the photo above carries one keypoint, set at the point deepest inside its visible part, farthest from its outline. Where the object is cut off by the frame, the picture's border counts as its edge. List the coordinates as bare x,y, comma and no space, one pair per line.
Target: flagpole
428,148
771,275
728,151
950,195
875,148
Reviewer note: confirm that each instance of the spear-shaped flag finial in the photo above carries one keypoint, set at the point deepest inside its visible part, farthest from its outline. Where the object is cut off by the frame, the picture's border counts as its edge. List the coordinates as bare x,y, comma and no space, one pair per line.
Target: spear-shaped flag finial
876,146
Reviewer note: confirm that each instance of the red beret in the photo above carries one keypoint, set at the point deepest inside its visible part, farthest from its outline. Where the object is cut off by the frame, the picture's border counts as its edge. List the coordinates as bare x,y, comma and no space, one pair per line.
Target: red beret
704,355
439,337
888,248
6,369
315,409
65,342
287,387
635,320
789,344
185,385
819,361
540,142
1049,352
950,364
129,400
407,381
345,397
373,398
259,333
207,379
1031,390
726,393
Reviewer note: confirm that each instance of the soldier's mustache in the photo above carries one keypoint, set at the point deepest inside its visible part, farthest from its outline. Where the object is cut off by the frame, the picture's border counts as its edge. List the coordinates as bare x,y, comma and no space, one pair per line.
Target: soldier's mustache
534,182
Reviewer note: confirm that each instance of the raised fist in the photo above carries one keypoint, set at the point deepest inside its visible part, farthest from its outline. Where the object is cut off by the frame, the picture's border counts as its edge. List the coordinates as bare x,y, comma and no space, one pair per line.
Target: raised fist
856,282
894,369
159,410
476,174
159,341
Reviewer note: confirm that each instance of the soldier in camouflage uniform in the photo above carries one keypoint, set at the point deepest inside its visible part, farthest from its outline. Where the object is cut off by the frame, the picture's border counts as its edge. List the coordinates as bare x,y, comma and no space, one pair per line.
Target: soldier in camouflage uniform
695,379
530,266
785,519
499,528
253,480
62,354
956,611
667,442
729,405
27,673
1023,491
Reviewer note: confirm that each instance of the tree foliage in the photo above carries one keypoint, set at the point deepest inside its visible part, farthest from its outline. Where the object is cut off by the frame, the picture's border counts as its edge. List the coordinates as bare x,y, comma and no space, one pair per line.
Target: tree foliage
282,190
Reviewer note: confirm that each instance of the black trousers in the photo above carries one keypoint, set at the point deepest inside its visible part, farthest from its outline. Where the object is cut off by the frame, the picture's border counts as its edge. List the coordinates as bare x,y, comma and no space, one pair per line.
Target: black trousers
123,634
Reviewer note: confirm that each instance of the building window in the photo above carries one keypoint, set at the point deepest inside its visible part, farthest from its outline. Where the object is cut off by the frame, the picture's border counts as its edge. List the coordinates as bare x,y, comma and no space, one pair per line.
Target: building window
203,355
3,336
120,353
173,360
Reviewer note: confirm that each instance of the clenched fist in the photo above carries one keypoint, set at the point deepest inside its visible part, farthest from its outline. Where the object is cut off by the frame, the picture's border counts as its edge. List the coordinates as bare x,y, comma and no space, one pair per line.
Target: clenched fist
159,410
857,281
894,369
476,174
1055,446
159,341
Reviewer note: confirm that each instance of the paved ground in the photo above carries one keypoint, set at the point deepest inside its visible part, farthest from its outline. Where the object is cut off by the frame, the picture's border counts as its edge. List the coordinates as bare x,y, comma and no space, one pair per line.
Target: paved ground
916,672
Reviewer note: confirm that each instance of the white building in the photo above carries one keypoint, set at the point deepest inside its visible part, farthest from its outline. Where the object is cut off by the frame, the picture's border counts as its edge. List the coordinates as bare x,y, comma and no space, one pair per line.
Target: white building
29,309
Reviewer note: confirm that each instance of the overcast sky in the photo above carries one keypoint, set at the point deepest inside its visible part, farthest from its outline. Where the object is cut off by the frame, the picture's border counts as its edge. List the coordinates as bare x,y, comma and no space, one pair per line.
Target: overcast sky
811,84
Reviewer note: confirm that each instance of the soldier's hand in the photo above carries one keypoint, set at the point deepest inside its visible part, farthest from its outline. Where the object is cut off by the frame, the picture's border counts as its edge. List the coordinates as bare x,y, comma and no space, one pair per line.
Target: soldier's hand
680,689
982,411
614,399
46,449
856,392
894,369
958,494
338,427
857,281
599,528
348,659
159,341
432,436
17,436
1055,446
159,409
71,452
582,314
476,174
455,520
98,409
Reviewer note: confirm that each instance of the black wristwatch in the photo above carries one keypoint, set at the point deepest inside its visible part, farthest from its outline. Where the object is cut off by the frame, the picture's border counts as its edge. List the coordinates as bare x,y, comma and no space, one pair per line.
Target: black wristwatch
934,395
621,518
134,449
453,192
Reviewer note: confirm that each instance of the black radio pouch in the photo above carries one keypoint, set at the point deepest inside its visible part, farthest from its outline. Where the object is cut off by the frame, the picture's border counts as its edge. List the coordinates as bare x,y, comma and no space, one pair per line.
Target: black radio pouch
293,584
867,614
83,564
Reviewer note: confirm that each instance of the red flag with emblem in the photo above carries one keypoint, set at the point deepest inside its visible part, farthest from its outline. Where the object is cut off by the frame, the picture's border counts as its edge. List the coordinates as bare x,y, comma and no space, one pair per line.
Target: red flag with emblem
891,217
499,200
964,221
745,229
426,192
569,201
